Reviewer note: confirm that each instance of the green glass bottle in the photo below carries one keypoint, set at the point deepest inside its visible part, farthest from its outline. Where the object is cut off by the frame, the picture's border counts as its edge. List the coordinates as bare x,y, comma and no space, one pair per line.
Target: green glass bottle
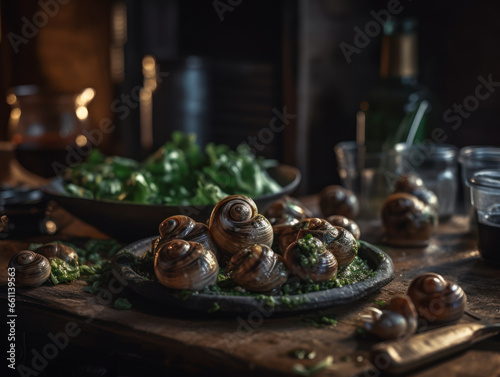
398,109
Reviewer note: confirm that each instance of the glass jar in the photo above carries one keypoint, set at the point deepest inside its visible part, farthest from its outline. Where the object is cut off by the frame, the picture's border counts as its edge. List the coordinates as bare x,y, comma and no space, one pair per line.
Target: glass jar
436,164
46,126
472,159
370,176
485,198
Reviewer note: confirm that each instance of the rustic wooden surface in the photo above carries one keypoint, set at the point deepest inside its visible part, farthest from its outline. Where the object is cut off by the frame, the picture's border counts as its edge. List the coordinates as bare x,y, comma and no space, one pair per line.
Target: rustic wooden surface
151,338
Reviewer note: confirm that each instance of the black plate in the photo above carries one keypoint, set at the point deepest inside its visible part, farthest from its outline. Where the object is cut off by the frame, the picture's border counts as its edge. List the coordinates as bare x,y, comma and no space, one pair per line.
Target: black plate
158,293
127,221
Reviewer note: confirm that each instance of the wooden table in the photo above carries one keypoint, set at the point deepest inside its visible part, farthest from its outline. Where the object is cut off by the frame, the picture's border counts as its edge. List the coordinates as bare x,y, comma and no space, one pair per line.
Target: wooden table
149,339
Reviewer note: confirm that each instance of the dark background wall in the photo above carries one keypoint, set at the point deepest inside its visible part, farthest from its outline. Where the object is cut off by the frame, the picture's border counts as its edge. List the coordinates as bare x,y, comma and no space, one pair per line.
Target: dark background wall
259,56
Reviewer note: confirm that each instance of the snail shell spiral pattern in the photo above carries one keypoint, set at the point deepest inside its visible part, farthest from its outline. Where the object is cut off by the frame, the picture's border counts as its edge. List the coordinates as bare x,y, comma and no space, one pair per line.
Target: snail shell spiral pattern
185,228
188,265
235,224
257,269
32,269
436,299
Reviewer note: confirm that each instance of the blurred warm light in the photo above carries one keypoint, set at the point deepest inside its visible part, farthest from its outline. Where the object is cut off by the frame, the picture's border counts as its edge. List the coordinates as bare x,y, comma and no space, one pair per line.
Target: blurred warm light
150,84
119,22
82,112
81,140
118,39
85,97
146,103
17,139
364,105
145,95
51,227
11,99
15,114
149,66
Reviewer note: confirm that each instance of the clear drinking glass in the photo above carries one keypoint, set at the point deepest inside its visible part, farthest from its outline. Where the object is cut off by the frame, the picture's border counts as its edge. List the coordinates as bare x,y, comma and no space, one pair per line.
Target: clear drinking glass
485,198
371,176
472,159
44,124
436,164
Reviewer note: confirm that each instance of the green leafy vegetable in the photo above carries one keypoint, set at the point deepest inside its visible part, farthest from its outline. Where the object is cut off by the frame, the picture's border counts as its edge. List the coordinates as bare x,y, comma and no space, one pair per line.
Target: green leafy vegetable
179,173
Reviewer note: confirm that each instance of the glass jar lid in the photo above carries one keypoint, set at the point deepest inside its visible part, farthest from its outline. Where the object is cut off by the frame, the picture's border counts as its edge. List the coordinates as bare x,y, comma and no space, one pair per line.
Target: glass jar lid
486,179
478,155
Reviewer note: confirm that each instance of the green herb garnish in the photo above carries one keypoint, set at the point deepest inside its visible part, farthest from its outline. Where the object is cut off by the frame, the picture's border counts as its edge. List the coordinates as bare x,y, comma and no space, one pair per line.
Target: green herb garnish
380,303
302,370
302,354
62,272
122,304
215,306
320,321
310,248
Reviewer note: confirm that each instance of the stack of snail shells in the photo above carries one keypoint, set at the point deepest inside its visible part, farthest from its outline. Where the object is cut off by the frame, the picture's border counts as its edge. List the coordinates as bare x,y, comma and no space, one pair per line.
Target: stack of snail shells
431,299
258,252
33,267
409,214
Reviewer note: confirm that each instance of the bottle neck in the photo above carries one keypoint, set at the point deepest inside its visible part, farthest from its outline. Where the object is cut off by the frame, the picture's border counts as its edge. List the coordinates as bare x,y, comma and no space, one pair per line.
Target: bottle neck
399,57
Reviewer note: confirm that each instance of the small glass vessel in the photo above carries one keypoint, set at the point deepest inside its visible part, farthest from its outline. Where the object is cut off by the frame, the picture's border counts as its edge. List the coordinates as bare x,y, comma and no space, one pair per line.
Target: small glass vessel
46,127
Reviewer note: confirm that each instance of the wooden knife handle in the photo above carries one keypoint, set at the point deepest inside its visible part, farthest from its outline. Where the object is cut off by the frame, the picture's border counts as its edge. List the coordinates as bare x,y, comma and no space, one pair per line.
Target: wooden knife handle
400,356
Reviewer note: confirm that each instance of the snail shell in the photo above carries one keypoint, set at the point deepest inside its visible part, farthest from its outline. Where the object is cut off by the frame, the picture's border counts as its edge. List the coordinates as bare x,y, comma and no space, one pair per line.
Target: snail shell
407,220
317,227
398,319
182,264
413,184
235,224
344,247
286,211
340,242
257,269
32,269
309,257
408,183
436,299
337,200
344,222
58,250
185,228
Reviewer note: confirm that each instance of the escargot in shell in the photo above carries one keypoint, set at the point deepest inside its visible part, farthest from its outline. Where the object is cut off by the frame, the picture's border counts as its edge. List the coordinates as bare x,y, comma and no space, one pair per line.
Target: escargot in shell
414,185
236,224
309,257
397,320
344,222
257,269
407,220
187,265
337,200
185,228
58,250
436,299
31,269
340,242
286,211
